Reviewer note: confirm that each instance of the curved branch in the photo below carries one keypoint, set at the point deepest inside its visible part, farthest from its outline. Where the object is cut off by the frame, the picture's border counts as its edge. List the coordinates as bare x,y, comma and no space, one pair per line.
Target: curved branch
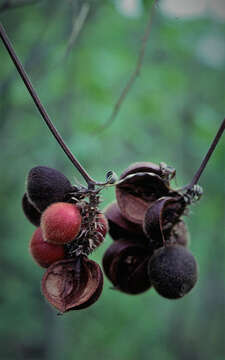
41,108
135,73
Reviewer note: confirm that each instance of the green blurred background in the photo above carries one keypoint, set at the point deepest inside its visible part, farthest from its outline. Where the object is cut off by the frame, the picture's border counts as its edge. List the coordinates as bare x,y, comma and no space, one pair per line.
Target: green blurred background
171,114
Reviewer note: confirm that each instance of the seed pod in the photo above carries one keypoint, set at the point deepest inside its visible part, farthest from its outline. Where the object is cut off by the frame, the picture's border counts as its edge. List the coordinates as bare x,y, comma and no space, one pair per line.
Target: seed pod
46,186
160,218
142,185
119,227
44,253
61,223
173,271
162,169
125,263
32,214
143,166
72,284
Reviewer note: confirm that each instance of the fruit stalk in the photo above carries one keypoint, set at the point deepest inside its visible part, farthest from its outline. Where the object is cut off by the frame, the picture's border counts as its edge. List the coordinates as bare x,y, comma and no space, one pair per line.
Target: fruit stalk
90,182
212,147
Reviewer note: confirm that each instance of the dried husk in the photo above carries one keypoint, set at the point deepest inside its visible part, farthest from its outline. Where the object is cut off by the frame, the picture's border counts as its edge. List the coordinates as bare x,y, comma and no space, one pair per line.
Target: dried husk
137,193
119,227
96,294
143,166
126,265
161,217
72,284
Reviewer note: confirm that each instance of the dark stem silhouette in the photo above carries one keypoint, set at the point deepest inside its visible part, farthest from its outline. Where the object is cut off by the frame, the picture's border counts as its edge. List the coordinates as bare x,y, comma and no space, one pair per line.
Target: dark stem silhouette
212,147
90,182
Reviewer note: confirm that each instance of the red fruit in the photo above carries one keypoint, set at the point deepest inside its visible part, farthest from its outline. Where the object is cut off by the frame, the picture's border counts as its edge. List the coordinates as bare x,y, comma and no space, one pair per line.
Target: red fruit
44,253
60,223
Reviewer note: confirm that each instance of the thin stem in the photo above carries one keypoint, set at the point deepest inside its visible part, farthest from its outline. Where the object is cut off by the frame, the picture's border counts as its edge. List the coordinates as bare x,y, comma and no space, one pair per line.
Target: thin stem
41,108
135,73
77,27
207,156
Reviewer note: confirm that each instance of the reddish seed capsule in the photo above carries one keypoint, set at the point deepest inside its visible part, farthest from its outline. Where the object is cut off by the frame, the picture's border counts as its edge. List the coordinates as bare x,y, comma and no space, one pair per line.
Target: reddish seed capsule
44,253
61,223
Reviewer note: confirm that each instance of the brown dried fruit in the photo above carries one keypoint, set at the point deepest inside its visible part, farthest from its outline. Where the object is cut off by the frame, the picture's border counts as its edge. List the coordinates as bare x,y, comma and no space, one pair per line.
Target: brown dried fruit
140,185
143,166
137,193
119,227
126,263
160,218
72,284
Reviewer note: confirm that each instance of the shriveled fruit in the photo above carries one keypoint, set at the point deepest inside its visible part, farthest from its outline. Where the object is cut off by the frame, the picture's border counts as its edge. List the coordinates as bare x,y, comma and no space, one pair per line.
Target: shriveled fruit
61,223
125,263
142,166
138,191
72,284
119,227
161,217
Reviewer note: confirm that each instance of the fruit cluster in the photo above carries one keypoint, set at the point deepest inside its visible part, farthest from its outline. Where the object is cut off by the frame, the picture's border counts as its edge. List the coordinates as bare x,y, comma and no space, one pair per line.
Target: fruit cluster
69,228
151,238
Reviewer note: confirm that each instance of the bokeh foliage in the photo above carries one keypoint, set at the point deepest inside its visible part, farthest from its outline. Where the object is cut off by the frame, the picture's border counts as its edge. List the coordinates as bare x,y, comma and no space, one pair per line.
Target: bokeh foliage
171,114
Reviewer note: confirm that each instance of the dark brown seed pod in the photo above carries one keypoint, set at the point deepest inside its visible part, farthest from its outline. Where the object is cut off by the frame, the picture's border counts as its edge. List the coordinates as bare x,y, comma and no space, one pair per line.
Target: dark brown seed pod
32,214
163,170
140,185
173,271
119,227
143,166
137,193
160,218
95,286
125,264
72,284
46,186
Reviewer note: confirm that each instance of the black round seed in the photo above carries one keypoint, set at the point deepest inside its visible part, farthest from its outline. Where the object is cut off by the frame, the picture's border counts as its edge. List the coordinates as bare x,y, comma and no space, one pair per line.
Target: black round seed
173,271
